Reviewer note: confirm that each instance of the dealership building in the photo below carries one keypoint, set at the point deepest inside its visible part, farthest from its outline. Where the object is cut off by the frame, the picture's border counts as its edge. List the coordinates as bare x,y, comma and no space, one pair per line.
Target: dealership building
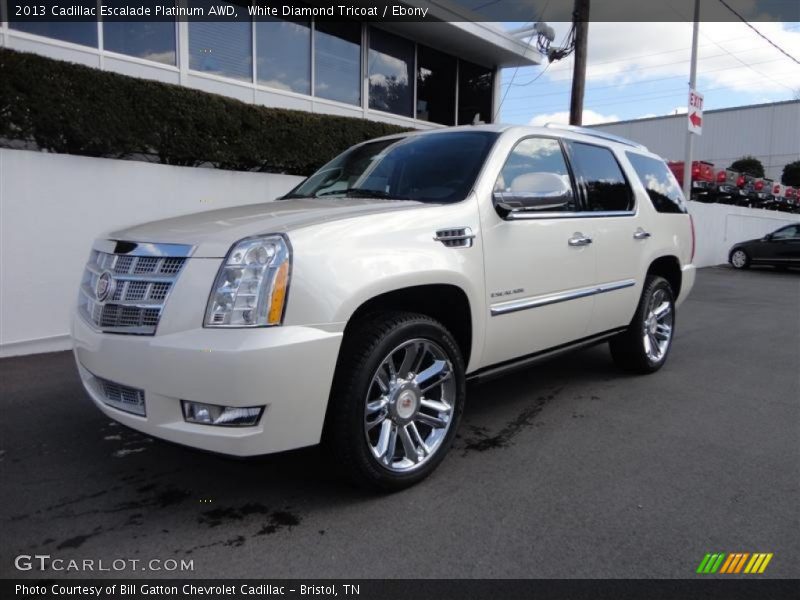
440,72
414,74
767,131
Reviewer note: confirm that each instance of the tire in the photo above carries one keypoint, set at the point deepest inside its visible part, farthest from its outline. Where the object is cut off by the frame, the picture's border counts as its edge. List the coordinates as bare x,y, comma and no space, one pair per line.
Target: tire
416,413
644,346
739,259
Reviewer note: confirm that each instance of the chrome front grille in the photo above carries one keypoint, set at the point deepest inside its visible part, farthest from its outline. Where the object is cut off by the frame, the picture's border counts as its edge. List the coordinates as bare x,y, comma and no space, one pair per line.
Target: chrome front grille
136,285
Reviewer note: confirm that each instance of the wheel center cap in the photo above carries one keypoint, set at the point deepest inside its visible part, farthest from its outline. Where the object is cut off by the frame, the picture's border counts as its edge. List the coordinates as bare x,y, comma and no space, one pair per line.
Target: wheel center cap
406,404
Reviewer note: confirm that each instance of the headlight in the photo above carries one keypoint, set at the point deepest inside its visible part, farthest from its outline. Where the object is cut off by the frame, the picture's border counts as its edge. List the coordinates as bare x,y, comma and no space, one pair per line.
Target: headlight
250,289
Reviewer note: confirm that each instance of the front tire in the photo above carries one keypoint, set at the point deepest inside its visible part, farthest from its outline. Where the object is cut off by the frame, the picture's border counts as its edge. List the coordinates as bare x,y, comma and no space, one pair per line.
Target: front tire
397,399
643,347
739,259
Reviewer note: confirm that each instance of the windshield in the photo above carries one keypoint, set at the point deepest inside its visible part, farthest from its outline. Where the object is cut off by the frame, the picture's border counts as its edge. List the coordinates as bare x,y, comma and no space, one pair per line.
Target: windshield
438,168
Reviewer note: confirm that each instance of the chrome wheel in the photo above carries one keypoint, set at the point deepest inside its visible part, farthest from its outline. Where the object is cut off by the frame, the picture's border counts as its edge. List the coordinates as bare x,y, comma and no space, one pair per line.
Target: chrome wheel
739,259
658,326
409,405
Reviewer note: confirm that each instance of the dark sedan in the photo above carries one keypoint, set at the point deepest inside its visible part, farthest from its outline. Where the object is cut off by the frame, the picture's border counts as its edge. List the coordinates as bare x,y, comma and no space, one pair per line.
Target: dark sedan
781,249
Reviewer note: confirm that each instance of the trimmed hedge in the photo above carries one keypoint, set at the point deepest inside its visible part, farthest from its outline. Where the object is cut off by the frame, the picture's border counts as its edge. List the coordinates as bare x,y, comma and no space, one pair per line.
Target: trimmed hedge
67,108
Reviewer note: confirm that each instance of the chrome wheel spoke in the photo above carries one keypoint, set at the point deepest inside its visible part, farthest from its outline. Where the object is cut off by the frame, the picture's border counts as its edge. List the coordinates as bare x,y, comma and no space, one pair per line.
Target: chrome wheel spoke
430,421
379,404
663,332
662,311
437,405
434,375
388,456
412,427
382,380
383,439
408,444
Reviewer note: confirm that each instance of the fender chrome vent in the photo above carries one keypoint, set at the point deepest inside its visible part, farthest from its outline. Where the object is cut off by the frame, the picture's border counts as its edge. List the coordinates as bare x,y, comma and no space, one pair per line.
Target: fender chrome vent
458,237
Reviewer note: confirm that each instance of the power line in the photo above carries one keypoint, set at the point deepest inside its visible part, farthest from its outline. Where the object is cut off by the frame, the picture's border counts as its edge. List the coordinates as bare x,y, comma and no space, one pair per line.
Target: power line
524,52
655,95
638,81
513,75
769,41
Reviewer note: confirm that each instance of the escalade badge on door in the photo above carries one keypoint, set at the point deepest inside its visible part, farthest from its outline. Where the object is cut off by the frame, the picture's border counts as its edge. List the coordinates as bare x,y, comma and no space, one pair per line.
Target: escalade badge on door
104,287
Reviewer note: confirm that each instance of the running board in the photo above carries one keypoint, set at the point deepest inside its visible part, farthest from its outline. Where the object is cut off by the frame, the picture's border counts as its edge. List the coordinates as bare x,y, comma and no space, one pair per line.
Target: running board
528,360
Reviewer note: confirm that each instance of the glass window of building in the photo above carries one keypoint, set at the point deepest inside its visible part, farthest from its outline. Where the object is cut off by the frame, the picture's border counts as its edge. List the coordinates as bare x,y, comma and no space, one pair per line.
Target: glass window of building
83,33
337,61
436,86
391,64
283,54
474,93
151,40
222,47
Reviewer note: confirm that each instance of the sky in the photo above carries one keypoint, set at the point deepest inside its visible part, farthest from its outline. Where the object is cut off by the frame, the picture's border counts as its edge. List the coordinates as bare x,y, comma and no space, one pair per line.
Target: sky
638,70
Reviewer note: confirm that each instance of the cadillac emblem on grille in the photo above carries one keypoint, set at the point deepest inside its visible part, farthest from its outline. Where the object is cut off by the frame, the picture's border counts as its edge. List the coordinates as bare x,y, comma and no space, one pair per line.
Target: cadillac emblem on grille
105,286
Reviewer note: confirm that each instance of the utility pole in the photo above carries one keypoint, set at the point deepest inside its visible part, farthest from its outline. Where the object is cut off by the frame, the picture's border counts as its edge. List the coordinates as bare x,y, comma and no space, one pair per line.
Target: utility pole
581,20
687,158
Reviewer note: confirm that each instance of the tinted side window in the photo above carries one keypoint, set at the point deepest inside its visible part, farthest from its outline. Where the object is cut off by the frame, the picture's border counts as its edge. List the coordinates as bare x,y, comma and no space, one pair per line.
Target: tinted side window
787,233
600,175
660,183
529,161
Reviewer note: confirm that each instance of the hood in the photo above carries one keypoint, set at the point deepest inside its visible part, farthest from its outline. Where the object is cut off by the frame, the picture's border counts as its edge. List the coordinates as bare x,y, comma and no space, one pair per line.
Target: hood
214,232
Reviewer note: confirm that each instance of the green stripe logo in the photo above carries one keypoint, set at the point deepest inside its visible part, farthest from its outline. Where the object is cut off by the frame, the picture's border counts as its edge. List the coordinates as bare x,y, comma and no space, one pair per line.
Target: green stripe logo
711,563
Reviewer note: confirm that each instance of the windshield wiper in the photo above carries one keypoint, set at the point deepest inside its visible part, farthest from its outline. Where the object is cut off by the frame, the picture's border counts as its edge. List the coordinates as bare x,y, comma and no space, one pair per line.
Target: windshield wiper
361,193
367,193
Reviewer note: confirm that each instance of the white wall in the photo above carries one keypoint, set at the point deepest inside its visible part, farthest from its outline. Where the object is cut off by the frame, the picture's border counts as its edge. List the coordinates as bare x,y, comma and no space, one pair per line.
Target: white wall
719,226
52,206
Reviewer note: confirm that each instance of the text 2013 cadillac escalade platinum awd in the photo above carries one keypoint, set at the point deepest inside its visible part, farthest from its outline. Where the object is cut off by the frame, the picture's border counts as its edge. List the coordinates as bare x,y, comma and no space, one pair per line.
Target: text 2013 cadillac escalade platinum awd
353,310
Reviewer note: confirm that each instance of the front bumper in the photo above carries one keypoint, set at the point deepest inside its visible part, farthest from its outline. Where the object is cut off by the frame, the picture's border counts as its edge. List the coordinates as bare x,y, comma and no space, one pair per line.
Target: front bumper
289,369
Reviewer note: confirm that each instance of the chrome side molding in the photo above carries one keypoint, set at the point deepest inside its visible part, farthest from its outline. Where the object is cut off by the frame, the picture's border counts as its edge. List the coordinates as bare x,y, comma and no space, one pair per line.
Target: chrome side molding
504,308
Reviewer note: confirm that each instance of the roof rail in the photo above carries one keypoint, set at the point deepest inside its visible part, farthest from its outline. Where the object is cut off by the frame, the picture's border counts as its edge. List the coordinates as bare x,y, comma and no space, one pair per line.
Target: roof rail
598,134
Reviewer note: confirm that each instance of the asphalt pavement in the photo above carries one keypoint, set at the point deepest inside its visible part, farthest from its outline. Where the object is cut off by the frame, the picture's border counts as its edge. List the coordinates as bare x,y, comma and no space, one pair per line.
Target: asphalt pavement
568,469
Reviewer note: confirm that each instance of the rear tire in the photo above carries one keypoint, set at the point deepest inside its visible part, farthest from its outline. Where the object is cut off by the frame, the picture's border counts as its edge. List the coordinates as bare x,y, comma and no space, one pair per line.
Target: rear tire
644,346
739,259
397,399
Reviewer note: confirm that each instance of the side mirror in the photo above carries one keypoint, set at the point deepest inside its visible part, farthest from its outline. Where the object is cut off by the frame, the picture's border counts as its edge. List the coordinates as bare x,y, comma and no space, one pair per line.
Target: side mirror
767,237
533,192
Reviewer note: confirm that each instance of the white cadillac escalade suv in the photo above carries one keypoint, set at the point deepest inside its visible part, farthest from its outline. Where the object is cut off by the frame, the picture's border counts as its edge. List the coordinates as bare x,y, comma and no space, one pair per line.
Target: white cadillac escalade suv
353,310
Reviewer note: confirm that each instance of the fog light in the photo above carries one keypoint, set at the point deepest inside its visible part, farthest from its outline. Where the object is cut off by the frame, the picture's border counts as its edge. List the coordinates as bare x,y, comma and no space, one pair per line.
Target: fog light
225,416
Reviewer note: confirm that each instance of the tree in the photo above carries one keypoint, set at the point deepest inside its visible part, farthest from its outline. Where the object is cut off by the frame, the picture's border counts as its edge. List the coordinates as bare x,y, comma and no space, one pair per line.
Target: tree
749,165
791,174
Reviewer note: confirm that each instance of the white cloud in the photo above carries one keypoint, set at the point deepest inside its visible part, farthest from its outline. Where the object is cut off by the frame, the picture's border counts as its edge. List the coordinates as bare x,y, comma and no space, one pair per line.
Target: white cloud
623,53
590,117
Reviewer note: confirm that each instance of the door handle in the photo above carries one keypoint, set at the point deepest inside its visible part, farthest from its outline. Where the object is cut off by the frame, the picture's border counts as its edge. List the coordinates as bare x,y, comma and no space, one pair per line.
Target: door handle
578,239
641,234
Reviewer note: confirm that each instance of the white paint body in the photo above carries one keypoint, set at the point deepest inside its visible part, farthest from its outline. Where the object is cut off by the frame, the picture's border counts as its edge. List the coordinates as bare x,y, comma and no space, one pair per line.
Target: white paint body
348,251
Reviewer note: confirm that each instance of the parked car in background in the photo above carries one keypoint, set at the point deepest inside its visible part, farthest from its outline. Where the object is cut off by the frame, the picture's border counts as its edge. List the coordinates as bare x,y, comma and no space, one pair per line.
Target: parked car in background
745,182
702,178
759,193
353,310
784,198
791,200
781,249
726,188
